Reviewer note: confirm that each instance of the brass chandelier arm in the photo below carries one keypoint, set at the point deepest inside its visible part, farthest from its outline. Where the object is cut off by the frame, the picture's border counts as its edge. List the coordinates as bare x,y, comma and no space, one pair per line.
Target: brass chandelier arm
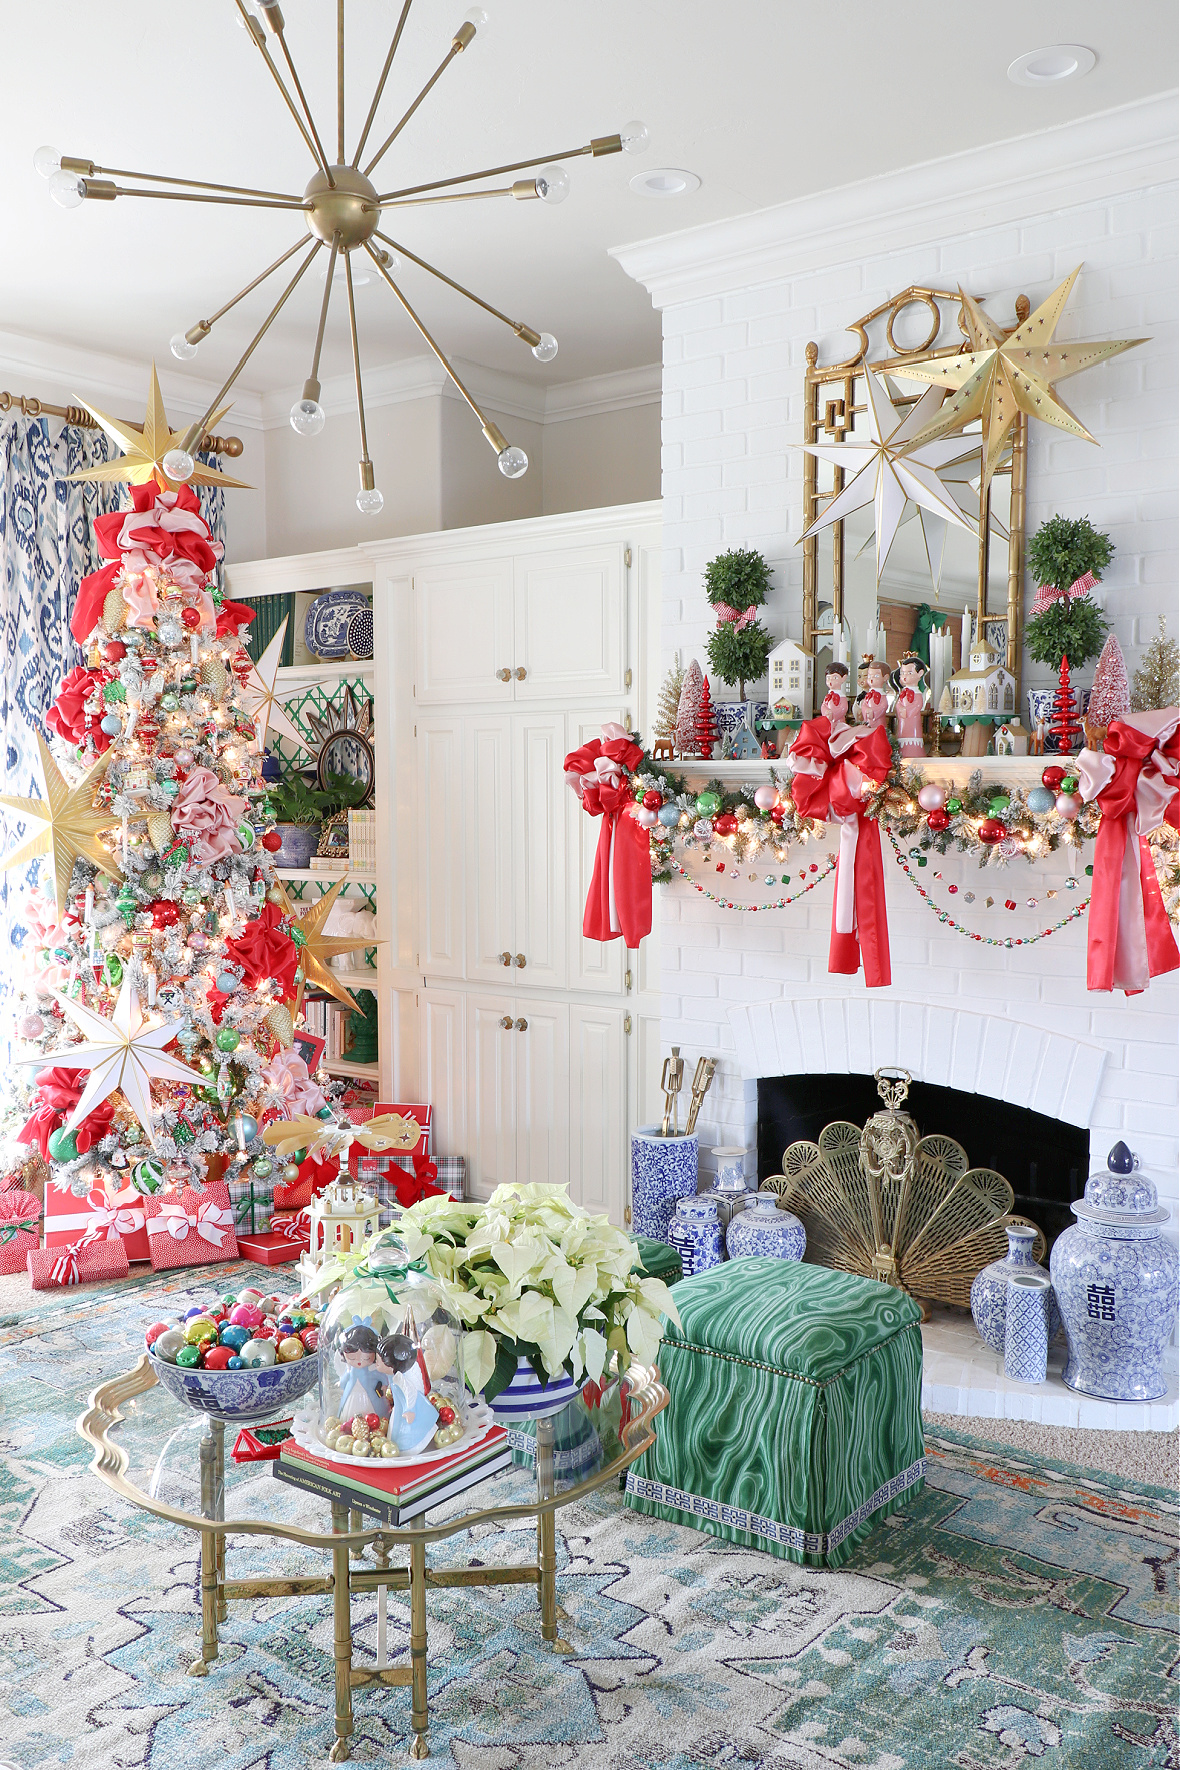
198,429
314,377
603,144
258,37
89,170
320,155
356,360
425,334
340,82
522,331
459,43
119,190
504,190
204,327
397,37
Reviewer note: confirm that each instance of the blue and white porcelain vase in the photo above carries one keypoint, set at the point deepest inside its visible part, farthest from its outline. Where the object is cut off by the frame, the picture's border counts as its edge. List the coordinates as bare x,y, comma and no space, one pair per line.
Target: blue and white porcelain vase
1026,1326
527,1398
729,1191
762,1228
989,1292
1115,1278
663,1171
696,1234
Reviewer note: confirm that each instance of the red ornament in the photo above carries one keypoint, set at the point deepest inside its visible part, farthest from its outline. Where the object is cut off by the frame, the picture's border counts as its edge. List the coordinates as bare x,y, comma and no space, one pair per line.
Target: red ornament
372,1421
777,814
114,650
1065,728
720,866
191,618
705,732
937,820
992,830
153,1333
446,1415
653,799
164,913
1009,903
217,1357
726,824
272,841
1052,778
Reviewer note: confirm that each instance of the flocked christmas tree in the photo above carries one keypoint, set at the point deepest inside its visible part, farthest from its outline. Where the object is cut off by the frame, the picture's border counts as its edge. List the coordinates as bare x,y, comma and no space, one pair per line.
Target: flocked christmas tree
1157,680
1110,697
686,714
668,705
706,727
1065,728
167,962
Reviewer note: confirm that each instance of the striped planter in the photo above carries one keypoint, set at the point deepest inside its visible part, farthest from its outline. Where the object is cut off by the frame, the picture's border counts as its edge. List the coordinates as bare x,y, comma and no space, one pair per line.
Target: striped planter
527,1399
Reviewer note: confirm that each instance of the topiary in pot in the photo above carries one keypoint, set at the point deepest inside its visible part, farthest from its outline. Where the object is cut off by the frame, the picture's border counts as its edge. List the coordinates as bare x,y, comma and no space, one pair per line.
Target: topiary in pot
736,584
1067,557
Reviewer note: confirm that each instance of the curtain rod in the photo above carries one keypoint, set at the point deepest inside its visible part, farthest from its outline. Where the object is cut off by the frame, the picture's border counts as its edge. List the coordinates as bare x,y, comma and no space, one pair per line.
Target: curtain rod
32,407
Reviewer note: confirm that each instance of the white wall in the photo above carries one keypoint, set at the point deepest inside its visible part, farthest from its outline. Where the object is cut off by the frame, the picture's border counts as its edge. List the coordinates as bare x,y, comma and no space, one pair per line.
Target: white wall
740,301
602,458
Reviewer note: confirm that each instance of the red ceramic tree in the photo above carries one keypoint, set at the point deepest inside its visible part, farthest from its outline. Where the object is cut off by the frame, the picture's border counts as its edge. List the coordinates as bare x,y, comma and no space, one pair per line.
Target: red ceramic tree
1065,728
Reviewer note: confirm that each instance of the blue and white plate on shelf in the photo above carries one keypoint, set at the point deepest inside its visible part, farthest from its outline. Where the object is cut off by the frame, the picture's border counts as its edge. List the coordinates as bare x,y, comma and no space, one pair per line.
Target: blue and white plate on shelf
325,630
360,633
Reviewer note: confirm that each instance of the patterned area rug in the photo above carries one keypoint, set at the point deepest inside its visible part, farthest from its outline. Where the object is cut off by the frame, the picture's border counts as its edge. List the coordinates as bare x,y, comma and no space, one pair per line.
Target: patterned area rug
1016,1610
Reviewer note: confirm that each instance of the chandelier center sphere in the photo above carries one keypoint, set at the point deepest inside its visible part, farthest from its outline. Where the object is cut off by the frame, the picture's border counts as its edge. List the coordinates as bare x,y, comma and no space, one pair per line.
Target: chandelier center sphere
350,209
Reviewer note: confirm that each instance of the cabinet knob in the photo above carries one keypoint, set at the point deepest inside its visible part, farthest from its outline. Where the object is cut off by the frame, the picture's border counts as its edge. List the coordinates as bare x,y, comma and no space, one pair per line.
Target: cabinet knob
522,1026
505,958
504,675
520,961
521,672
506,1022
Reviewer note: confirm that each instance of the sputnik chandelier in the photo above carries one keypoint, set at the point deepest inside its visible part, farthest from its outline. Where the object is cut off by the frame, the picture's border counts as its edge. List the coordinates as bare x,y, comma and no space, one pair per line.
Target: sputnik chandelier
342,211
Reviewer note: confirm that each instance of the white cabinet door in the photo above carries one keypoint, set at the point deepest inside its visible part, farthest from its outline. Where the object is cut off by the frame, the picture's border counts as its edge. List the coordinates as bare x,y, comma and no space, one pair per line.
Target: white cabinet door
491,1059
594,964
541,1037
440,845
570,623
442,1077
464,632
535,839
598,1109
493,841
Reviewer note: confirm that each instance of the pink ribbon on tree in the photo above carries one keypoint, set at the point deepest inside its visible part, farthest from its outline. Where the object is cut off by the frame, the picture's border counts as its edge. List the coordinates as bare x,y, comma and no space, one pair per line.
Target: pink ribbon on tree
209,1221
1048,594
109,1221
830,768
728,616
208,815
1135,779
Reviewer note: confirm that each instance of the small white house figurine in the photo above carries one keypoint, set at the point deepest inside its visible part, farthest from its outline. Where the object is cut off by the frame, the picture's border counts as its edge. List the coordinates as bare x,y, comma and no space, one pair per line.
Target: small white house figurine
792,673
984,687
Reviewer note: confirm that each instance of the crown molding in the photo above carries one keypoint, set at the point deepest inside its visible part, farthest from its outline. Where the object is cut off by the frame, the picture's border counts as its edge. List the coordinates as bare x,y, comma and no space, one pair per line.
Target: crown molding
67,375
1091,159
604,393
387,384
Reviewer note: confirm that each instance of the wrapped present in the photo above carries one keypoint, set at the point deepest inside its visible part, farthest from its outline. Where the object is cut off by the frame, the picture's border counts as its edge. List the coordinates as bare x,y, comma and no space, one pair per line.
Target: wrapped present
191,1228
422,1115
19,1216
83,1263
290,1236
450,1176
102,1215
315,1173
251,1200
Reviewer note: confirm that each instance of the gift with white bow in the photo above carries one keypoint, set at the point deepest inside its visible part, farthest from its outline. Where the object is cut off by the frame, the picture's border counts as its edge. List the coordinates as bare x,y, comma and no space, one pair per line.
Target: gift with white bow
191,1228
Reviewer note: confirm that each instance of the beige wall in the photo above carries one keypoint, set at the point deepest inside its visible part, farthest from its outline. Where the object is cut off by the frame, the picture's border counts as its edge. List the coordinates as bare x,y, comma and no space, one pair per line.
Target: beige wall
473,488
607,458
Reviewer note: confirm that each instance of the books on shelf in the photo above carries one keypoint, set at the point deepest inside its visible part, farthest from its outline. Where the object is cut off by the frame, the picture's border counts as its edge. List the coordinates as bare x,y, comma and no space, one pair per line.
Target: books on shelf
397,1491
362,841
333,1022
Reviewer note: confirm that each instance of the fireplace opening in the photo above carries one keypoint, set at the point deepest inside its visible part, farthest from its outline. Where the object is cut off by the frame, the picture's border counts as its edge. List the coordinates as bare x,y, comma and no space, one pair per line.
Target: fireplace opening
1044,1161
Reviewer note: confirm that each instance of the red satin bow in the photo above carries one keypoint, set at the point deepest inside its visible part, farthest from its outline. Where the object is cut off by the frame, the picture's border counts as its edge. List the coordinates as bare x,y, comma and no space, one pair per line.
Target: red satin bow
58,1092
198,549
619,899
314,1174
264,950
231,616
1129,939
67,716
826,785
418,1185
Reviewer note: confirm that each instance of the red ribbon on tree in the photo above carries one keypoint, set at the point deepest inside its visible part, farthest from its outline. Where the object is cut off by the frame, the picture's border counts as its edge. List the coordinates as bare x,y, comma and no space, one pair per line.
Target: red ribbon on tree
830,769
231,616
619,899
58,1092
264,950
67,716
1134,778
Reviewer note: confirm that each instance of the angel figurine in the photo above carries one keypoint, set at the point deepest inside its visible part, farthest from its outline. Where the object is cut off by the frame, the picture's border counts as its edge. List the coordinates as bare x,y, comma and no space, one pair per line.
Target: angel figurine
361,1389
910,702
412,1417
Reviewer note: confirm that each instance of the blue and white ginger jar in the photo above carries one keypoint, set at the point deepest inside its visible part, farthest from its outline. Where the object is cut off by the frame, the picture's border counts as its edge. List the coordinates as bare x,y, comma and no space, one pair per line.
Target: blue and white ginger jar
989,1292
695,1233
1115,1278
663,1170
762,1228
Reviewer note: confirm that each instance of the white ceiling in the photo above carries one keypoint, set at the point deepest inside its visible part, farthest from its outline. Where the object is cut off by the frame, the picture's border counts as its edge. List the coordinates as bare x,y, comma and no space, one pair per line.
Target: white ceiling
764,100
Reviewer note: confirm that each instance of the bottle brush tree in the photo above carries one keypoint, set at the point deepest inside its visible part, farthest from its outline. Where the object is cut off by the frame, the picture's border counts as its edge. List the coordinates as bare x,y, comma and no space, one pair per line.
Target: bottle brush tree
1157,680
736,584
1066,551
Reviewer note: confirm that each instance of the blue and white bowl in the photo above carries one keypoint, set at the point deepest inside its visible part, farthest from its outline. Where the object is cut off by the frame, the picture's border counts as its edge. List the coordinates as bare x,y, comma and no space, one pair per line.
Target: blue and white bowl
240,1397
526,1398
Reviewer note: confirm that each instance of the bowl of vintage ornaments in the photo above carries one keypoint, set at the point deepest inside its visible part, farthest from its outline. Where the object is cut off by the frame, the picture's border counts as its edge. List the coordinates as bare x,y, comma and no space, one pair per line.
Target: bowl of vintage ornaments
240,1359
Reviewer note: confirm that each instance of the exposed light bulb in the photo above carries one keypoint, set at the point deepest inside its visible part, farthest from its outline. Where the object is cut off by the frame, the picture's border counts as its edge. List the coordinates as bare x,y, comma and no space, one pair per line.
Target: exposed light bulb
308,417
369,501
477,18
178,464
553,184
67,190
47,161
512,462
634,136
546,350
181,348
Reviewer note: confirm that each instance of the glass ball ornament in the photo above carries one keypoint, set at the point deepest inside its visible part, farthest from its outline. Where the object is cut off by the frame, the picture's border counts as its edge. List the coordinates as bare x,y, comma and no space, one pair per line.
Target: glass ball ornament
512,461
1068,805
702,829
553,184
546,349
1040,799
669,816
645,816
931,797
290,1173
67,190
765,797
708,803
369,501
263,1168
227,1038
308,417
182,348
244,1127
178,464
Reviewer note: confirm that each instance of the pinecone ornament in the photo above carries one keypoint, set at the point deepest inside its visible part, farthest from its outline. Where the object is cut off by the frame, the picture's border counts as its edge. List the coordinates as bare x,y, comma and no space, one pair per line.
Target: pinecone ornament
114,611
214,676
279,1024
160,831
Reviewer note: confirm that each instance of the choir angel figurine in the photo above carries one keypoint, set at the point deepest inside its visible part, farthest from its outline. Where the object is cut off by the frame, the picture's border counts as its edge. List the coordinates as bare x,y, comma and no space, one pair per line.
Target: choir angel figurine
912,697
834,706
874,702
412,1418
360,1389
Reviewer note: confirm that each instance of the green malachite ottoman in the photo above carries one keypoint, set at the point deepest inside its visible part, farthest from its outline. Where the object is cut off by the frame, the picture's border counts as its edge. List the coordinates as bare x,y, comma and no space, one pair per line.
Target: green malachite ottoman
658,1260
794,1422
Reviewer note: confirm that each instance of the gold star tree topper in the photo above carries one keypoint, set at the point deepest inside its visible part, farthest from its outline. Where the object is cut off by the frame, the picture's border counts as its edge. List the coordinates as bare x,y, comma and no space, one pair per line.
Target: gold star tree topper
261,702
125,1052
1006,373
317,947
145,446
67,824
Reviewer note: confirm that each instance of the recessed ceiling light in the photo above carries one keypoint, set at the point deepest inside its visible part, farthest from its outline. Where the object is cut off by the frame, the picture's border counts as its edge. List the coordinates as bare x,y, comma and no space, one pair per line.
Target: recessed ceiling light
1048,67
664,181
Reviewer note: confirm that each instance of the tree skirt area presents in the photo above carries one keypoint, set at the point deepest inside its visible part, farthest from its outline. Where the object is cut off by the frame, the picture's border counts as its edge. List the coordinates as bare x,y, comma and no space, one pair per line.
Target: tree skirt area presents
1016,1611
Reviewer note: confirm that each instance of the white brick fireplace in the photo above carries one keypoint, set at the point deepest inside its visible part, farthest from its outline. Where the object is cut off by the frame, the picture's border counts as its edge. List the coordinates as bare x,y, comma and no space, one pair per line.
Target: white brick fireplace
740,300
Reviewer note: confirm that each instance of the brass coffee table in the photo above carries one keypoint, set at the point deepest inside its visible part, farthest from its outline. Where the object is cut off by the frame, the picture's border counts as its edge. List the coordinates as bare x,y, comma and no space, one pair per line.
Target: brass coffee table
170,1461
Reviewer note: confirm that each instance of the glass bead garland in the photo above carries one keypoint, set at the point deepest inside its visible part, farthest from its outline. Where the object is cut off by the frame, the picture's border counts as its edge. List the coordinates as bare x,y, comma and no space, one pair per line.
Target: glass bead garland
948,920
780,903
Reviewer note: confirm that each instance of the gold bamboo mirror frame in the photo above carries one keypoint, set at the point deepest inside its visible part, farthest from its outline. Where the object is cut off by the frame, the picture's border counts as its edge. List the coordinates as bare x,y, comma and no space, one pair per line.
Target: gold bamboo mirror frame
838,561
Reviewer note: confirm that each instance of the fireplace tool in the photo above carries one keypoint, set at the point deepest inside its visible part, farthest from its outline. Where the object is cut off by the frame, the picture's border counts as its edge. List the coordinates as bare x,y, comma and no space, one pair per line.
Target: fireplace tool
672,1081
700,1087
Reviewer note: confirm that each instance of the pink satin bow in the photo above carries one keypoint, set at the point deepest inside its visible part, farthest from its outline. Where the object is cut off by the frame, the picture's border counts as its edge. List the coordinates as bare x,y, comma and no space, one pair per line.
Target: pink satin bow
727,616
289,1075
209,815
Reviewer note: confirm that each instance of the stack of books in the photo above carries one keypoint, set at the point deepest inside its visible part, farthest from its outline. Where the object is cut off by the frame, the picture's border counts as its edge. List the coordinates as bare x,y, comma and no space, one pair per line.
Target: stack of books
395,1491
362,841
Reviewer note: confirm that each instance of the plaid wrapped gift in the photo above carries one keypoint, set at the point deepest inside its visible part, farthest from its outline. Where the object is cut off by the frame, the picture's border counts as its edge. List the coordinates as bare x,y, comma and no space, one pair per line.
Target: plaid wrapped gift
19,1216
191,1228
451,1176
252,1203
81,1264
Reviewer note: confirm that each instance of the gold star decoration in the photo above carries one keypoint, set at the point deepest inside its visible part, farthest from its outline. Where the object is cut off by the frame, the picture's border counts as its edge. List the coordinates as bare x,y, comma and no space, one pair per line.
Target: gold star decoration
1006,373
318,947
261,702
125,1052
144,447
67,823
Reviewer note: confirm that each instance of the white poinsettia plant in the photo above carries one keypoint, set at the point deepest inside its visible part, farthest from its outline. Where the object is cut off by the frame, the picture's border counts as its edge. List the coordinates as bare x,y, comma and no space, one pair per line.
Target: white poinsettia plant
531,1275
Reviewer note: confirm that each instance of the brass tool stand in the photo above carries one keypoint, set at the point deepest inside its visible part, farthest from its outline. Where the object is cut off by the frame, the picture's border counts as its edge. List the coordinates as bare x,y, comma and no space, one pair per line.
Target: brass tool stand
349,1537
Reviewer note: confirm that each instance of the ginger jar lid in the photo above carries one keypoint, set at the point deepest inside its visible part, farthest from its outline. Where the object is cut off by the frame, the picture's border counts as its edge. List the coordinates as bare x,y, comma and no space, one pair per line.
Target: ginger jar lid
1119,1195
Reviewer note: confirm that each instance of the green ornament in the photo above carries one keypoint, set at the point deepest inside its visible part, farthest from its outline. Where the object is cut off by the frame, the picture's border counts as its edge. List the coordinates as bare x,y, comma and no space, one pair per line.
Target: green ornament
183,1133
997,803
169,702
188,1357
300,1155
262,1167
190,894
325,1112
133,1134
954,805
188,686
148,1176
112,970
125,904
246,837
217,594
227,1039
1089,872
921,860
708,803
206,1066
113,691
299,974
63,1146
1069,783
298,937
